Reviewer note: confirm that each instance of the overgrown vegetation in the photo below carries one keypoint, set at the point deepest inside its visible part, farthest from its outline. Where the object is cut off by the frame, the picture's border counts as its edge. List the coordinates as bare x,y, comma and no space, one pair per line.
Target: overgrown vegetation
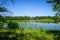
29,34
35,19
14,32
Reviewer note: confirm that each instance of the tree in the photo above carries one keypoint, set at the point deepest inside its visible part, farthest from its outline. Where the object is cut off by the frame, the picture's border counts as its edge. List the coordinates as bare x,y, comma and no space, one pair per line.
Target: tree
3,9
56,5
2,5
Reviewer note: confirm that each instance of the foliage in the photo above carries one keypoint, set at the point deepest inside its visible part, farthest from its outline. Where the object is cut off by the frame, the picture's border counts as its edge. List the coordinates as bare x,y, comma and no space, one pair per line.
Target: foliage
2,18
27,35
14,33
56,34
56,7
12,25
56,4
28,18
35,19
3,8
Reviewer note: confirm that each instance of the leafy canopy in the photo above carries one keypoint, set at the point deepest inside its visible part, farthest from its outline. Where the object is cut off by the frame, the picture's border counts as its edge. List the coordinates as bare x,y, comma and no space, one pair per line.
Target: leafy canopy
55,4
2,5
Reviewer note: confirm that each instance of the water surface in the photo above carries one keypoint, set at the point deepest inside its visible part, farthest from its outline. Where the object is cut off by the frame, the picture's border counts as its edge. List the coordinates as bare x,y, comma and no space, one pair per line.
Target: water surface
39,25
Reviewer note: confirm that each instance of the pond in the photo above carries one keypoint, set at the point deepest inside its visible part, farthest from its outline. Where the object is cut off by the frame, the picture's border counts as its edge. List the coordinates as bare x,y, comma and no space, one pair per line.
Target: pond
39,25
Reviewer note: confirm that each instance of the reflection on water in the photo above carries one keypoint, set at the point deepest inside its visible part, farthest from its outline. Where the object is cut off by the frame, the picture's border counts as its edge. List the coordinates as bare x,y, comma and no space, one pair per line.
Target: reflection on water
38,25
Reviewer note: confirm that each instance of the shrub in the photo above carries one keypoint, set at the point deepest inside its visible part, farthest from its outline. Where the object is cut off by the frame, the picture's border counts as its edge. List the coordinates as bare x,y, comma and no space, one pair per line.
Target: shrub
12,25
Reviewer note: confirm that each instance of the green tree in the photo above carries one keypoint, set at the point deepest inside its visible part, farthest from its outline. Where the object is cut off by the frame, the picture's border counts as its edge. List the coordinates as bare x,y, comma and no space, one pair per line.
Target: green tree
3,9
2,5
56,7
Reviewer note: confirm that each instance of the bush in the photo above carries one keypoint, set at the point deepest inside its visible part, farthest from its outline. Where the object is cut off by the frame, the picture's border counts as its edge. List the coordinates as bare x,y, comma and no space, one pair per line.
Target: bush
12,25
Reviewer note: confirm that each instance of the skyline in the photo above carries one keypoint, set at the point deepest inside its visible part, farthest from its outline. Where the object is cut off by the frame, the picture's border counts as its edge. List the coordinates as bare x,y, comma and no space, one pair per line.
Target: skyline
31,8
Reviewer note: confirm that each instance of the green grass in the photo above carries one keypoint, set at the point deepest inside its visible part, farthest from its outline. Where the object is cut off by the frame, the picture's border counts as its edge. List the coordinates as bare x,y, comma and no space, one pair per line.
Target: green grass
30,34
42,20
27,34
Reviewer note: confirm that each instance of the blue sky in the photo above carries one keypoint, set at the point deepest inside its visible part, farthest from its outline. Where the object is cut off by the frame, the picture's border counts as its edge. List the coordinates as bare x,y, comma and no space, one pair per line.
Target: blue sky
31,8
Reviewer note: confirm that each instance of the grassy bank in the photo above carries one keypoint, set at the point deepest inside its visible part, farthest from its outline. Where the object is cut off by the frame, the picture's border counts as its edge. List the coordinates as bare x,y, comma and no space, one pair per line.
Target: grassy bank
43,20
29,34
15,32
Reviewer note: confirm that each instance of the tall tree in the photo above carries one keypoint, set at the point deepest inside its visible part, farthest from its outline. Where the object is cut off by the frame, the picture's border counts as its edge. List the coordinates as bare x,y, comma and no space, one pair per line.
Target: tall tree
2,5
56,5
